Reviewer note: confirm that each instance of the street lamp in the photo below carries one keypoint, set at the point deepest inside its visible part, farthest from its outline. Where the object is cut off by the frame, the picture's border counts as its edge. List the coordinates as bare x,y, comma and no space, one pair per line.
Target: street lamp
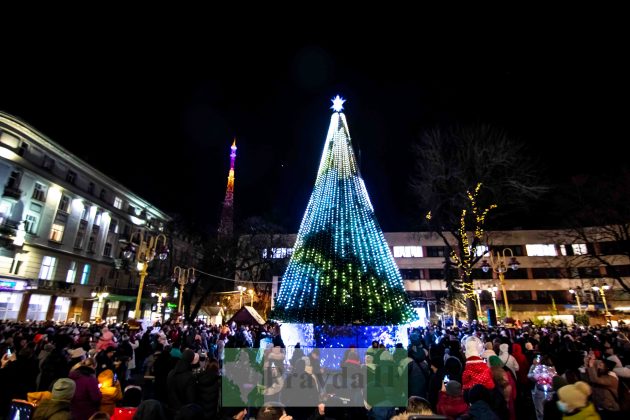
100,294
182,276
251,297
241,289
499,264
142,254
577,292
493,291
159,296
602,292
478,293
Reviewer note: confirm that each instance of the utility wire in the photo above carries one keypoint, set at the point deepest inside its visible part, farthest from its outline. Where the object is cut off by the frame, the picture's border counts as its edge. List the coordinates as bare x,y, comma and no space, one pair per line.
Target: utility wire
232,280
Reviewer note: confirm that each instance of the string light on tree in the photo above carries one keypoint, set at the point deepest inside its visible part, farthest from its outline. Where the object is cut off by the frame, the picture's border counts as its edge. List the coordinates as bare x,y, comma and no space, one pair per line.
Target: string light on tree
341,270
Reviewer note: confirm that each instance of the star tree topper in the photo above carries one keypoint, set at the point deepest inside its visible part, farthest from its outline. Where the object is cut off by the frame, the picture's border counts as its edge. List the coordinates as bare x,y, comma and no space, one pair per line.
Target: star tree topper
337,103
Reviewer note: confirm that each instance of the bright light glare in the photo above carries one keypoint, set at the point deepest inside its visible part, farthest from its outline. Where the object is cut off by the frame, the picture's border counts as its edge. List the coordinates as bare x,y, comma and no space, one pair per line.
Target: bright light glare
337,103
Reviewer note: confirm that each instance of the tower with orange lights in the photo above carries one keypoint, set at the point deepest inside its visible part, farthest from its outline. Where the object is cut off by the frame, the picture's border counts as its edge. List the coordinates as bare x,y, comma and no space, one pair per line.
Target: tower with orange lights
226,226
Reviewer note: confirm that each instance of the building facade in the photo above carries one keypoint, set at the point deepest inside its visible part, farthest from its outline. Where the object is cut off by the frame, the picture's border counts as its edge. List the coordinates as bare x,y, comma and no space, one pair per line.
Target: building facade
63,227
552,263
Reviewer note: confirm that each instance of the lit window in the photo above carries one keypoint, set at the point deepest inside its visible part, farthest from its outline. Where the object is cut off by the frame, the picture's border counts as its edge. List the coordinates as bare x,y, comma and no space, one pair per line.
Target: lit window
64,203
541,250
85,276
481,250
47,270
408,252
72,272
118,203
56,232
579,249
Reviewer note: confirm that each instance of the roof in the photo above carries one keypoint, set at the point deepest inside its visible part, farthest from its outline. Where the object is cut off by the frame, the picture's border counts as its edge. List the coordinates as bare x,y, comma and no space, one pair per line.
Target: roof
214,311
247,315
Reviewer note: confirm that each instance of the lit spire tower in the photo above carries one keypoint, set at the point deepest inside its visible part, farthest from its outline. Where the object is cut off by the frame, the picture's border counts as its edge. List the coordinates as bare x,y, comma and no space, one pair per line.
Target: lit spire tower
341,270
226,227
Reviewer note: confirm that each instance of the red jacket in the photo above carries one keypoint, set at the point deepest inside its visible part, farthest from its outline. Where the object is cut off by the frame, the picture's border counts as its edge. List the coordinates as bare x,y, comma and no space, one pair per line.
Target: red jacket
124,413
450,406
476,372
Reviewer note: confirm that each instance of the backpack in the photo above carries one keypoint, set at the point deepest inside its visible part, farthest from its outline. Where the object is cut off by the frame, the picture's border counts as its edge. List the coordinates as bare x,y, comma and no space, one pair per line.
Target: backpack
507,369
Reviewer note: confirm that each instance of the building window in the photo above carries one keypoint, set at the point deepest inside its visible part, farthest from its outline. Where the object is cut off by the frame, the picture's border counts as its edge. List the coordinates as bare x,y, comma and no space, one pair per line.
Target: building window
574,249
72,272
56,232
103,194
85,213
408,252
38,307
91,188
277,252
48,163
71,177
14,180
64,204
47,270
78,241
411,273
22,149
31,221
107,251
39,192
91,244
113,226
541,250
85,276
118,203
436,251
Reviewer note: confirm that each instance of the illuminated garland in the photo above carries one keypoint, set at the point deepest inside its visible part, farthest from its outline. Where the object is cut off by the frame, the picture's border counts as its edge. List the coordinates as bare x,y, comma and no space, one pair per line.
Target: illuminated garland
341,270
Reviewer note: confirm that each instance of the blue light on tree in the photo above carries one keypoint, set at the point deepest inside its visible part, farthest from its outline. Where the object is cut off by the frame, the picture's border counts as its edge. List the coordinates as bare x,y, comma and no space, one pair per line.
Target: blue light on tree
341,271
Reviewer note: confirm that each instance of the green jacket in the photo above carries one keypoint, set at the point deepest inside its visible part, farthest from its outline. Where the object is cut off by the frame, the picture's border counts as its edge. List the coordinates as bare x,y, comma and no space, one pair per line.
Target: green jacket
52,410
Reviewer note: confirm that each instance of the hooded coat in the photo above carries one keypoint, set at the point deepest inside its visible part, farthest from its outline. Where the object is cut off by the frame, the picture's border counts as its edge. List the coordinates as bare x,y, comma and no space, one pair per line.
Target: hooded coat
52,410
87,397
181,382
523,364
111,391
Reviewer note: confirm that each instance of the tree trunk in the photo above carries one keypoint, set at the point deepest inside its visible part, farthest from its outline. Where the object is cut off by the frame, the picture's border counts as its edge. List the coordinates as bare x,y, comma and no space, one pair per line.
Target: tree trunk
471,309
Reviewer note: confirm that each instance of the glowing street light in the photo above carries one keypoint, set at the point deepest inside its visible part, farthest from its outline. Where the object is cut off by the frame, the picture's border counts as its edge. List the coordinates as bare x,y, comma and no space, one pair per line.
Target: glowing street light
577,292
499,264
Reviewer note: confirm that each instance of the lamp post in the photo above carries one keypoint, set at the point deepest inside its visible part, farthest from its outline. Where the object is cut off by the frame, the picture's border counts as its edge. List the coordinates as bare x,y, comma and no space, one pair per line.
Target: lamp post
160,296
142,254
499,264
577,292
182,276
100,294
478,293
250,292
493,292
241,289
602,293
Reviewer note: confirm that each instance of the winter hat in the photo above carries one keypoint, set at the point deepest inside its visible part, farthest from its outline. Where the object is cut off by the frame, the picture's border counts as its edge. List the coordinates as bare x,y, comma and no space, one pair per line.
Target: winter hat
529,346
76,353
63,389
576,395
489,346
454,389
494,361
503,348
558,382
474,347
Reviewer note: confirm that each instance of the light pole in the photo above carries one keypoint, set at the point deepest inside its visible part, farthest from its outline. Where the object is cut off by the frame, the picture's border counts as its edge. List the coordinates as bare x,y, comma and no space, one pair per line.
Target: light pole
499,264
143,253
100,294
478,293
493,291
250,292
602,293
182,276
577,292
160,296
241,289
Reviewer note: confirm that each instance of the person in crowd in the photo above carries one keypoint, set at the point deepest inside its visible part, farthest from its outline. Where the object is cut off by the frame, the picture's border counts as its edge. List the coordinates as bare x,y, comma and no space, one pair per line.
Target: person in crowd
105,340
451,401
58,406
508,360
574,404
110,390
480,404
551,411
132,398
150,410
476,370
105,359
208,389
100,415
87,398
604,384
504,384
181,382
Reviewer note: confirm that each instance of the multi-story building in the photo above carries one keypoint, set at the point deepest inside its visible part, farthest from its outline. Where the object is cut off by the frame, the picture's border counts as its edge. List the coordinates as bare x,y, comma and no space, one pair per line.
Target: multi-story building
63,226
552,263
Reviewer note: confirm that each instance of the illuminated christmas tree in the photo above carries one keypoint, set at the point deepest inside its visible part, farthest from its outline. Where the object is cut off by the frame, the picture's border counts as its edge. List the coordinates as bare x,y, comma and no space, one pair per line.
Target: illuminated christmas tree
341,271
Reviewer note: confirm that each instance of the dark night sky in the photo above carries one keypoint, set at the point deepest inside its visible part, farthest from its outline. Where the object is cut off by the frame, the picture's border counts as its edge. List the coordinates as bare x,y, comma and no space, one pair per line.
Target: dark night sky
158,112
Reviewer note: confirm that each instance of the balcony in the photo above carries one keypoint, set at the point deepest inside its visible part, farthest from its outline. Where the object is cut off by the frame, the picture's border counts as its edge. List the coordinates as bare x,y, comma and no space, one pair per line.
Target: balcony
56,286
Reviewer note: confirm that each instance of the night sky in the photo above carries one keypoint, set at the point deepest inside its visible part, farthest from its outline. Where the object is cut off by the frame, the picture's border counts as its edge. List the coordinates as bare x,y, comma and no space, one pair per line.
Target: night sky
158,112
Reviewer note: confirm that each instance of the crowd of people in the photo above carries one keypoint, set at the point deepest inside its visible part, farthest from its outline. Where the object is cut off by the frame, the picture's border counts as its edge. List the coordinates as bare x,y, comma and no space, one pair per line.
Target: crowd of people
176,371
